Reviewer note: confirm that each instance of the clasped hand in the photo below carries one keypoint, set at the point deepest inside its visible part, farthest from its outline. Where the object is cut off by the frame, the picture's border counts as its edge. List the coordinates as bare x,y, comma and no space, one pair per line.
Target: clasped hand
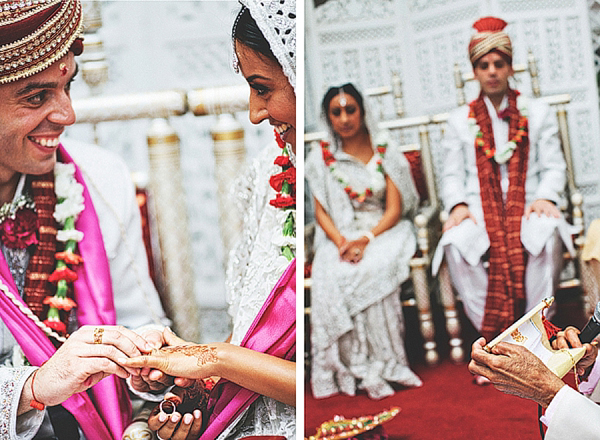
88,356
353,251
185,362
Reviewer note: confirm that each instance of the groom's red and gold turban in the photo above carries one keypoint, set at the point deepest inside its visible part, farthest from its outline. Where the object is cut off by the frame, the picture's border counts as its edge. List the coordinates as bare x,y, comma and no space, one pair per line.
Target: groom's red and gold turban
490,36
34,34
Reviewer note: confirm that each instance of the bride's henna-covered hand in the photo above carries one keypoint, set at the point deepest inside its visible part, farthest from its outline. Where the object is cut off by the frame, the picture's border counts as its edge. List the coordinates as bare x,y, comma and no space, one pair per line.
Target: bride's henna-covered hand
259,372
191,361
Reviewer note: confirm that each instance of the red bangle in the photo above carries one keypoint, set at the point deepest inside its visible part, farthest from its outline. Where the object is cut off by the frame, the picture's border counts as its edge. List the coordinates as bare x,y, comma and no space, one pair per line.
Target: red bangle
34,402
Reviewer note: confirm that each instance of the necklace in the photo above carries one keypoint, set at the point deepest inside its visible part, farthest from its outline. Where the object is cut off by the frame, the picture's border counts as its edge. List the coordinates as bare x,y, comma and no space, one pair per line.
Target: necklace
284,184
330,161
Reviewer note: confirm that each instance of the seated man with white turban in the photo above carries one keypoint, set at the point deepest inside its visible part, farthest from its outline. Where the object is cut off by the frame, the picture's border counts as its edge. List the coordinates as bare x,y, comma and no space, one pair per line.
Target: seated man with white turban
502,178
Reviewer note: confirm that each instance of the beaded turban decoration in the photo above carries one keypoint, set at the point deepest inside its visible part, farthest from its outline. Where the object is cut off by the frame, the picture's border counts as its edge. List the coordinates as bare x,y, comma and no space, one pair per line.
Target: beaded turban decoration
490,36
34,34
276,20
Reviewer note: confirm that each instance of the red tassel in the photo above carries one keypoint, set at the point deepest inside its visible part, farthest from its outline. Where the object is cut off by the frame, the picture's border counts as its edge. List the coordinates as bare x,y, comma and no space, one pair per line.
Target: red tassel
551,329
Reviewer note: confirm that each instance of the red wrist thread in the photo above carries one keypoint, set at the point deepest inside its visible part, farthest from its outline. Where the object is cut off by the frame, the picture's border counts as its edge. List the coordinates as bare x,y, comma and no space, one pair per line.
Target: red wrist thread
34,402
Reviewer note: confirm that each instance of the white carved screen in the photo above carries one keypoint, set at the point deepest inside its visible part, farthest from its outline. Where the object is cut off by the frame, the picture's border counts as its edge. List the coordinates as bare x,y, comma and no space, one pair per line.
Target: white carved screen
348,40
164,45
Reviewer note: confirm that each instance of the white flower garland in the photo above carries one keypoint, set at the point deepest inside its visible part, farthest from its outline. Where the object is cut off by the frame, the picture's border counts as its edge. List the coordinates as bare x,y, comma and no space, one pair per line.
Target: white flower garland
69,194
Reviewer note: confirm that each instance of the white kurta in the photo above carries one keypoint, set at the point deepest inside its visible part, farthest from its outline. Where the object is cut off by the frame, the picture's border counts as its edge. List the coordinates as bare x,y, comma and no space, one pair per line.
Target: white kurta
574,417
136,300
255,266
546,168
466,243
356,314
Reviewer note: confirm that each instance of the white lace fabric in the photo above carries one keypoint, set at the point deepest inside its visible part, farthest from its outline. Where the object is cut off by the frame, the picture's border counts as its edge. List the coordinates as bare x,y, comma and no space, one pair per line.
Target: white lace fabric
356,314
277,21
255,266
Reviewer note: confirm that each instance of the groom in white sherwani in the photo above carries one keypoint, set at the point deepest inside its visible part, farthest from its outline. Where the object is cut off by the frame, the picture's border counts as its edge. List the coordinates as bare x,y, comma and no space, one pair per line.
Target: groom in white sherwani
502,179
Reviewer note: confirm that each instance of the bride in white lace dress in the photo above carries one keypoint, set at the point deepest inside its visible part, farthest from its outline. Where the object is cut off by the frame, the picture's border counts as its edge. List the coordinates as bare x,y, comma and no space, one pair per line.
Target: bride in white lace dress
363,197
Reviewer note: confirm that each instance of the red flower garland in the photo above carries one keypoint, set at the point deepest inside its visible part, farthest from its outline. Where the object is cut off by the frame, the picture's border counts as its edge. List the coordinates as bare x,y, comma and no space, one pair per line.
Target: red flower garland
330,159
284,183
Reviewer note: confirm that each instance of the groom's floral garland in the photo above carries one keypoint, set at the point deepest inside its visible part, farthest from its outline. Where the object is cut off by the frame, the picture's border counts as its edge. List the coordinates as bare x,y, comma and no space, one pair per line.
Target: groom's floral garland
284,184
330,160
503,153
69,204
18,228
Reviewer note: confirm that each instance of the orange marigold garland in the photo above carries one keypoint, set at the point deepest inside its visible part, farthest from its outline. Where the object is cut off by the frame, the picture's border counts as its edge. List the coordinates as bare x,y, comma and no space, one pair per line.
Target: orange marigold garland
284,184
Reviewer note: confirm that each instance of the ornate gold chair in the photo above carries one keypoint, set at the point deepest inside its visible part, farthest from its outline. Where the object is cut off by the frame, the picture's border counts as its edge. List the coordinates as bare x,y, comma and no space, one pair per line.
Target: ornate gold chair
428,229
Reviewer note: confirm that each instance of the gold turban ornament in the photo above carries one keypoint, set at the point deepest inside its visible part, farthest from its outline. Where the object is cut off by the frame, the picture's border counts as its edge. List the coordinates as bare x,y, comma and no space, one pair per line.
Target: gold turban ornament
34,34
490,36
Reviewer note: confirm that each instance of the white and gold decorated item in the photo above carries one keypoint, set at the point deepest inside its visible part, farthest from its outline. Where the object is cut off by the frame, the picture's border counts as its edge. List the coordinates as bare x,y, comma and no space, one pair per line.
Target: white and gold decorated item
230,155
529,332
172,223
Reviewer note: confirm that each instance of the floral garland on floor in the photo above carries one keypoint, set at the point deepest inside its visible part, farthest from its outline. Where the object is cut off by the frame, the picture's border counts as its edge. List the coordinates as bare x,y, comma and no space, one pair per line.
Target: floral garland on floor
502,154
341,427
330,160
284,184
19,226
69,204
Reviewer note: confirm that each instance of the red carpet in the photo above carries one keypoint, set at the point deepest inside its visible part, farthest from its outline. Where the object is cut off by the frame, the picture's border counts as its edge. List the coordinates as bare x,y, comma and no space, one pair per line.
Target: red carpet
448,406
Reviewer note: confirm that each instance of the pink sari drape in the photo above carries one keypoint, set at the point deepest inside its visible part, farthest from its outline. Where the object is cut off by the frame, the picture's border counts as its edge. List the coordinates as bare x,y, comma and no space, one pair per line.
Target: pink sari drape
272,332
111,413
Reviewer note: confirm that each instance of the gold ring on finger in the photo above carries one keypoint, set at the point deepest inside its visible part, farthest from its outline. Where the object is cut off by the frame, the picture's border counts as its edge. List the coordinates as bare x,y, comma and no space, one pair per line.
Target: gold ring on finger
98,332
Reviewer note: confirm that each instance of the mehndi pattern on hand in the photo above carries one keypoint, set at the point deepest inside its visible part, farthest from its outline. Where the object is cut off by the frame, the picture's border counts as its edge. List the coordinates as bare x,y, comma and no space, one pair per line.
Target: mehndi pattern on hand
203,353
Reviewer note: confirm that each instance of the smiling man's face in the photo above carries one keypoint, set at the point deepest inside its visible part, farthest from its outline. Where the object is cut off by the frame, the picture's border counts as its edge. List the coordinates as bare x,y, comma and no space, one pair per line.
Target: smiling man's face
34,112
